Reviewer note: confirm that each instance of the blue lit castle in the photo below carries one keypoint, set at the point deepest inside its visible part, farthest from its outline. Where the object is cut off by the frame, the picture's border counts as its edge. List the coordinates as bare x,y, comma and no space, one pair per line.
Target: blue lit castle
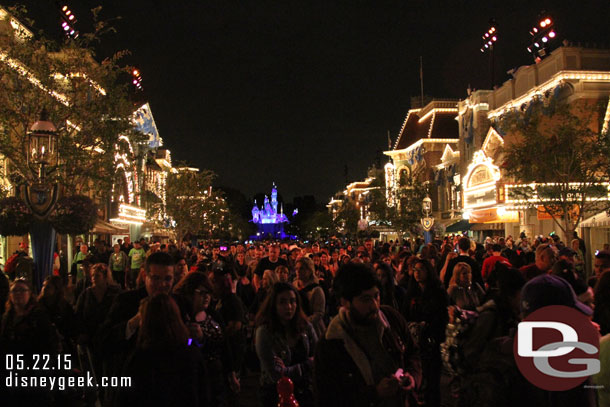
269,221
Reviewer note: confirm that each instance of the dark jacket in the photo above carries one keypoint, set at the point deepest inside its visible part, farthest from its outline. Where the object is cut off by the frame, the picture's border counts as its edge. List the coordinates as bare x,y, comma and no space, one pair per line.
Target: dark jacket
124,307
33,333
92,314
168,377
339,374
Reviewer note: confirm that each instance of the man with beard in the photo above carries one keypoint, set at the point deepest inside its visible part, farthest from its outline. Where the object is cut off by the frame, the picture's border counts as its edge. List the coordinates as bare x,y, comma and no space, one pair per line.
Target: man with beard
367,356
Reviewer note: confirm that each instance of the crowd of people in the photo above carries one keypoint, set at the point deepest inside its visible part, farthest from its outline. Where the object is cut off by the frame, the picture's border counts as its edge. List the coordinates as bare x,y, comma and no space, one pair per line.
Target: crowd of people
350,323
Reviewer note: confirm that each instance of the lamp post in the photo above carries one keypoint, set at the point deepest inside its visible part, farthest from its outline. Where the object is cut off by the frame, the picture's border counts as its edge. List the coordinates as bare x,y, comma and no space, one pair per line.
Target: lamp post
427,221
40,192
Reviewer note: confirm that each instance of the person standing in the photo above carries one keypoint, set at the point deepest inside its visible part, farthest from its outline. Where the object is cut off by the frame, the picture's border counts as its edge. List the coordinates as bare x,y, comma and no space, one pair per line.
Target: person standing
137,256
285,343
425,308
119,332
118,265
165,370
463,247
312,295
367,356
268,263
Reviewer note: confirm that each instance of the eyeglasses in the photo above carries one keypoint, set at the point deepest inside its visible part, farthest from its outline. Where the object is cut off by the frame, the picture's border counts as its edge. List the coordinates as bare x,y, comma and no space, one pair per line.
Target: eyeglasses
19,290
202,292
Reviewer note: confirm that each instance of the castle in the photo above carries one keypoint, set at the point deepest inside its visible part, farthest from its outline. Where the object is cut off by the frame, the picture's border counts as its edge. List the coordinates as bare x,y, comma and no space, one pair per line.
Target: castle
269,221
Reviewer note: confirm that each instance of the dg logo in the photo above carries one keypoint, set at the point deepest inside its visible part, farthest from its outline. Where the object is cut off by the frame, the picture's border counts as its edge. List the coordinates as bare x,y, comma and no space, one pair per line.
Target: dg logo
557,348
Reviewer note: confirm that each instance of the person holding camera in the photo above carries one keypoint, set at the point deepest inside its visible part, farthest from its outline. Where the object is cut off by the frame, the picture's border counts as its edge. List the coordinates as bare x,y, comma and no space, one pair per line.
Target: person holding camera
367,356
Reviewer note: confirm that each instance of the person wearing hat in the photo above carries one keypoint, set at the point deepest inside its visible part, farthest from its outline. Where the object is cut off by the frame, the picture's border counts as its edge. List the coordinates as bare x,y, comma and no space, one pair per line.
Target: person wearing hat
566,253
543,291
549,289
498,381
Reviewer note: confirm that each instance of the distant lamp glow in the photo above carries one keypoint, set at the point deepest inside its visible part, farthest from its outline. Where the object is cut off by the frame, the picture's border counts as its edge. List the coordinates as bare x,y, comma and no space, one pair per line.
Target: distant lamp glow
552,34
548,21
542,24
544,39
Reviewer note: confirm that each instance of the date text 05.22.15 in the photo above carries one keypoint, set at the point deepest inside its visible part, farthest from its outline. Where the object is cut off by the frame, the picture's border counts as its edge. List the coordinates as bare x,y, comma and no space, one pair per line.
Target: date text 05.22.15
43,361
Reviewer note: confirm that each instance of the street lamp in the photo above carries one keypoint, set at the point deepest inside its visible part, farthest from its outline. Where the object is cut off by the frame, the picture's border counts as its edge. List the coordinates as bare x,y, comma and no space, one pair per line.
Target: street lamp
427,205
40,192
427,221
42,147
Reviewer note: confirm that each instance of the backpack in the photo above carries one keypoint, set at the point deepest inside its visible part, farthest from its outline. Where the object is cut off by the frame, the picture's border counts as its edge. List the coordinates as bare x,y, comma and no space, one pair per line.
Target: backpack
459,328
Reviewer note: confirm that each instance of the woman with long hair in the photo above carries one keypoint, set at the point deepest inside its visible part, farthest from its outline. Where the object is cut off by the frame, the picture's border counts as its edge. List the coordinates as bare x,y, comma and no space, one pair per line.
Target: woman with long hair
270,277
194,294
165,370
245,288
462,292
391,294
312,295
425,308
25,330
52,300
285,342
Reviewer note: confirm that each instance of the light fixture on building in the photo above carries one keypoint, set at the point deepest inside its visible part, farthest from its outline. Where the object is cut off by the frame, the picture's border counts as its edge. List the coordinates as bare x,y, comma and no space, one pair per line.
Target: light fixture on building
541,35
68,20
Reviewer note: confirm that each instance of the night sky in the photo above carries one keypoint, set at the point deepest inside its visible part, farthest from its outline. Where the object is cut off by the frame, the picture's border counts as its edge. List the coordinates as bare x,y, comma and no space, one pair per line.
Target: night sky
293,91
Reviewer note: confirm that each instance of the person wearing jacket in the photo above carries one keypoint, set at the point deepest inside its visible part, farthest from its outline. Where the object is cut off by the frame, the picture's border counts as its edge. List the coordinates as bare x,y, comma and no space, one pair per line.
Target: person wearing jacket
285,341
367,356
425,308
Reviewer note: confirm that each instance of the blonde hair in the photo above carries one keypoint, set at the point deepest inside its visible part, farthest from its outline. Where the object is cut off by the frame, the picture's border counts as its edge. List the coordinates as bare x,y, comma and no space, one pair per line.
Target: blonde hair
459,268
273,277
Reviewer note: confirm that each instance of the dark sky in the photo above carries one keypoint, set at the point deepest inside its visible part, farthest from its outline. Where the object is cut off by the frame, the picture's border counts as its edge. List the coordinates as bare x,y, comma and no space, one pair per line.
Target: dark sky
292,91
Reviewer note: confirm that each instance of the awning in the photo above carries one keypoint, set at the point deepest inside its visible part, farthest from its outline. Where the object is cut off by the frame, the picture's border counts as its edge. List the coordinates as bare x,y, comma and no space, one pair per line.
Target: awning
487,226
461,226
105,228
601,220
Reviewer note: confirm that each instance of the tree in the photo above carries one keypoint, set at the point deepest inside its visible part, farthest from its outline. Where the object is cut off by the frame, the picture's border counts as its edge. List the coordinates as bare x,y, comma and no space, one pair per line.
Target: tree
560,160
404,209
195,207
317,226
347,218
86,100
